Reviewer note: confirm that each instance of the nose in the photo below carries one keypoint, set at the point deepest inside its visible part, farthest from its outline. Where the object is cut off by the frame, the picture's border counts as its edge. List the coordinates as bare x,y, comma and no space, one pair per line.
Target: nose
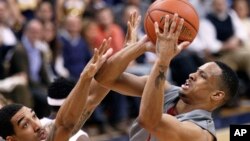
36,125
192,76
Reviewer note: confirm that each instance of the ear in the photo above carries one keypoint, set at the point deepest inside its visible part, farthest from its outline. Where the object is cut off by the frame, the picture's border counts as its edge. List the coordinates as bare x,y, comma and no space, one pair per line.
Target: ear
218,96
10,138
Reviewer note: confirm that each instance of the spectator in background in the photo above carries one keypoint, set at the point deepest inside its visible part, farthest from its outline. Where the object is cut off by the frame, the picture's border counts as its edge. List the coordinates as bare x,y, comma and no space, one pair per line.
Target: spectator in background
115,104
74,52
66,8
13,84
50,38
201,6
221,37
25,8
33,65
90,31
45,12
22,11
45,15
119,8
107,28
242,9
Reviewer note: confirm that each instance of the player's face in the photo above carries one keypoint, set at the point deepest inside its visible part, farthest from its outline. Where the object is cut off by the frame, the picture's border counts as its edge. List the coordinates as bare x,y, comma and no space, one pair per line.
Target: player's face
201,84
27,126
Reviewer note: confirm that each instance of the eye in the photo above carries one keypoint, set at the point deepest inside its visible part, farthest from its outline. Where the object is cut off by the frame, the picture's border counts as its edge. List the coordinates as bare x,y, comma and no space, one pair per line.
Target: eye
202,74
25,125
34,116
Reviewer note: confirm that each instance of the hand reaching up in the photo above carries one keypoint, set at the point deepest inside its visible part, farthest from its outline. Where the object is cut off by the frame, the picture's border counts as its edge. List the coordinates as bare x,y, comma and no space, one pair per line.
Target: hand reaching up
132,27
99,57
167,42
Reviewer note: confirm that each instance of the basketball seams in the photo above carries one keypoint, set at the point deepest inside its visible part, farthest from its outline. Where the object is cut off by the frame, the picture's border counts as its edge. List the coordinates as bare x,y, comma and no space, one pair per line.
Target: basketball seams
148,33
159,9
151,18
191,6
172,14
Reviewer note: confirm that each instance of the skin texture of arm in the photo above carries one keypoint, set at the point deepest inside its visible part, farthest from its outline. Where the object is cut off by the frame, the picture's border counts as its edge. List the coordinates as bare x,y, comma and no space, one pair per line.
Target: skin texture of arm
151,116
96,95
72,113
115,66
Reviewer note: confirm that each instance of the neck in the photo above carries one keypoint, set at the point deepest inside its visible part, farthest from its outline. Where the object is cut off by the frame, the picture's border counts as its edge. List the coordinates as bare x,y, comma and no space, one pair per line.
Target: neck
74,34
182,107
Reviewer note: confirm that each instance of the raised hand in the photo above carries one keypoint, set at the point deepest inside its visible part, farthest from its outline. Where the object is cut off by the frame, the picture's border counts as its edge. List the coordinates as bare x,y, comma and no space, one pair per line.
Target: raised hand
99,57
167,42
132,27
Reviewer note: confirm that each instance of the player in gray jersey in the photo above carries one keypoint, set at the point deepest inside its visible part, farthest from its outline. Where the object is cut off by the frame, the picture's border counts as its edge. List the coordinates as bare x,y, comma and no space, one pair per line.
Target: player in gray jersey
169,113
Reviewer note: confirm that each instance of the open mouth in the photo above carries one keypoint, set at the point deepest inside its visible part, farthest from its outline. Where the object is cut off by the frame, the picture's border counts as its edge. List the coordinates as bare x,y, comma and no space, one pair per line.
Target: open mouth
186,85
42,135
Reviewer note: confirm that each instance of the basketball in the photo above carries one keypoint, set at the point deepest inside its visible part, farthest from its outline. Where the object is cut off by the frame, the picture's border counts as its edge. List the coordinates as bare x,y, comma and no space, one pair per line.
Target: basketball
157,11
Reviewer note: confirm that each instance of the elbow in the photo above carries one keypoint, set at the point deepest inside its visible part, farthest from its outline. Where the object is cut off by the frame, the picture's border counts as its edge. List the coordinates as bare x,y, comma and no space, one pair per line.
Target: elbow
91,104
66,126
145,122
103,79
149,121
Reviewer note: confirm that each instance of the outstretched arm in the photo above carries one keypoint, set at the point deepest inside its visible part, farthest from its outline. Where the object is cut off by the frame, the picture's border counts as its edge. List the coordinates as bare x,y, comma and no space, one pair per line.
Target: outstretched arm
96,95
73,108
115,66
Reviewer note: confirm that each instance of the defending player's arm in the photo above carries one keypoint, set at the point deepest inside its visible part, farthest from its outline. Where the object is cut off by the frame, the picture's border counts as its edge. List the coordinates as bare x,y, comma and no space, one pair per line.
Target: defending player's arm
96,95
111,74
71,111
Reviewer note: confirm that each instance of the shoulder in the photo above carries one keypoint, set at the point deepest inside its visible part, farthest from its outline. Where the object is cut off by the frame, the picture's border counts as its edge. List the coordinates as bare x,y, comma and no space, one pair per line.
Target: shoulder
50,128
172,90
197,132
80,135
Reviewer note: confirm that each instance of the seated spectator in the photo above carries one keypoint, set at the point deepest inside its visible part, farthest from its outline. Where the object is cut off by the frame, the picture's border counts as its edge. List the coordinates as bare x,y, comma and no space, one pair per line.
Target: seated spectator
241,7
74,51
33,65
221,37
13,84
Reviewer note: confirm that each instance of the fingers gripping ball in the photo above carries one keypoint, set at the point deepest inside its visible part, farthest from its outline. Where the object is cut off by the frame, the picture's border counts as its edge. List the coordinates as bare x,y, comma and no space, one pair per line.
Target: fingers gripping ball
157,11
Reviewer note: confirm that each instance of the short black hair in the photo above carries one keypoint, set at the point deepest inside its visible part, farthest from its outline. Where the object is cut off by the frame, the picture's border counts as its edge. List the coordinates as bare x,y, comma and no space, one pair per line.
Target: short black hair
6,113
229,81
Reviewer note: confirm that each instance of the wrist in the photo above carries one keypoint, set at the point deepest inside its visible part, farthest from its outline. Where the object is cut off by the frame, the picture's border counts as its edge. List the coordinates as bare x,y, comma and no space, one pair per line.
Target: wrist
161,66
163,62
85,76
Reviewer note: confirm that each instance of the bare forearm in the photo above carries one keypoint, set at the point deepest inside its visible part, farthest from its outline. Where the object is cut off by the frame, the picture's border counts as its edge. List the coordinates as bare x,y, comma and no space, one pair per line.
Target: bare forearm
152,100
117,64
84,116
69,113
96,95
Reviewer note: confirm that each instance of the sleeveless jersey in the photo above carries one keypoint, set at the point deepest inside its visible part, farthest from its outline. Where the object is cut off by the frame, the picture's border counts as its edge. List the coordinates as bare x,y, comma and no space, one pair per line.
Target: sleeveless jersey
200,117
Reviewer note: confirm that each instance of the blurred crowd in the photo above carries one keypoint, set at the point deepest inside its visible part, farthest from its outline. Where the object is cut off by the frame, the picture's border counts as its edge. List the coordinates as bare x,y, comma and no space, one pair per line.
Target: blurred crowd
41,40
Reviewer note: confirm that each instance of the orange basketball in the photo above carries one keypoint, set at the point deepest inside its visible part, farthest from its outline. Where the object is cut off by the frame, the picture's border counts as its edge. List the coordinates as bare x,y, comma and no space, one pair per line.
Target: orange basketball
157,11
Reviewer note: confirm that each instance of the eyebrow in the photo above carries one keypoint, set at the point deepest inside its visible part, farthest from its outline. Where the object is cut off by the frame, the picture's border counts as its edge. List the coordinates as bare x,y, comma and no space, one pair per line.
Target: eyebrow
202,71
20,120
